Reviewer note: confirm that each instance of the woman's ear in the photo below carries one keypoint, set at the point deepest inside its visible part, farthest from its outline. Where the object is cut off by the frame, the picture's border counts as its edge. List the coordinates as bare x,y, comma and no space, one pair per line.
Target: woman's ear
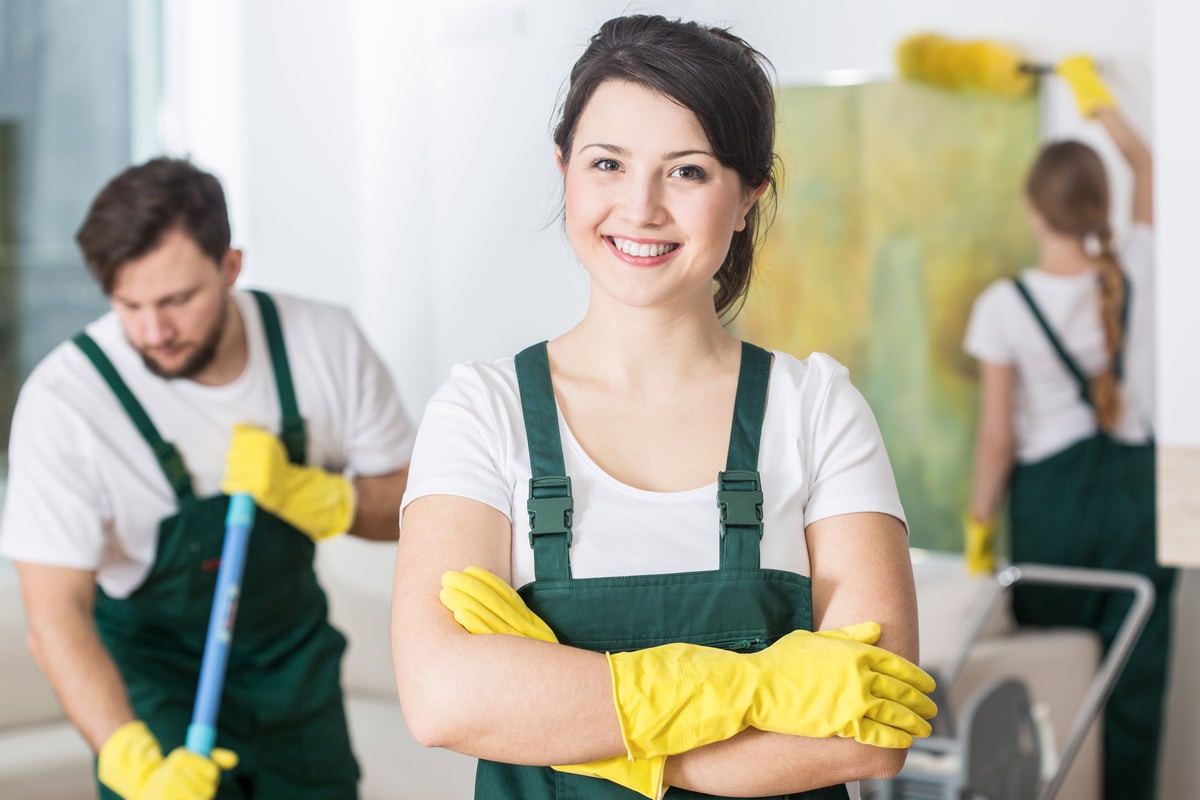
560,162
752,196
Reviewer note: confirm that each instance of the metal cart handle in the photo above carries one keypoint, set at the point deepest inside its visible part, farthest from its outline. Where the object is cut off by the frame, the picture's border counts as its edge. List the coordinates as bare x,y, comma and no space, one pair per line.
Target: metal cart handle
1102,684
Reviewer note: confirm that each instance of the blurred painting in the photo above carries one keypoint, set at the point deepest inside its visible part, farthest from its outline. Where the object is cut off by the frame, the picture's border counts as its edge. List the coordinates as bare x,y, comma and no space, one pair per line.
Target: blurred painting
898,204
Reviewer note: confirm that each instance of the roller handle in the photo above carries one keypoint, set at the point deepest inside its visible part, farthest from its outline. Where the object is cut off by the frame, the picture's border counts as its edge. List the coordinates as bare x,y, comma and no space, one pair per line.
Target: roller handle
202,732
1035,69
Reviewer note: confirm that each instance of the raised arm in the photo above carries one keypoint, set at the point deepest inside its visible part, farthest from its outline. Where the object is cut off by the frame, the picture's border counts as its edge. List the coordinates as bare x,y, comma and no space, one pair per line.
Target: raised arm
1136,153
1096,102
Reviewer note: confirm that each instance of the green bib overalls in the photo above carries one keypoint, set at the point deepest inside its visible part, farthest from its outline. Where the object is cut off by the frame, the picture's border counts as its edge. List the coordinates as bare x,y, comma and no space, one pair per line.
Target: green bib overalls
281,709
736,607
1093,505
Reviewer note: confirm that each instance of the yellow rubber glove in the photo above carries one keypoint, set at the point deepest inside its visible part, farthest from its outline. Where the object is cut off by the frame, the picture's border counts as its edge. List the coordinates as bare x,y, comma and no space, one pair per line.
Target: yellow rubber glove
677,697
132,765
483,603
1090,92
310,499
980,545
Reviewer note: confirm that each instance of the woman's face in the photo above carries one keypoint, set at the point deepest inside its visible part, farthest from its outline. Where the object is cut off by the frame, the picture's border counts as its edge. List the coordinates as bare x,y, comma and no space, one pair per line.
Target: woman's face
650,211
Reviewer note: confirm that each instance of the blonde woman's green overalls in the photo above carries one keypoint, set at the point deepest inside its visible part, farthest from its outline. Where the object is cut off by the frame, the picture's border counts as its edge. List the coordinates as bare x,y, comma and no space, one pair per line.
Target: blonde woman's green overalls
281,710
1093,505
736,607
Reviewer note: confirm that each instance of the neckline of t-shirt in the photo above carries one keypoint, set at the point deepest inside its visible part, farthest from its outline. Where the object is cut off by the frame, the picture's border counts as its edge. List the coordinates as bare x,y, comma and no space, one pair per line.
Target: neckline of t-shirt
1061,279
599,472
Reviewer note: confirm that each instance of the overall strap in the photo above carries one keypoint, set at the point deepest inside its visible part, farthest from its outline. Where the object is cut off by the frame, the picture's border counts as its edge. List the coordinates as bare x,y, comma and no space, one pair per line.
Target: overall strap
1063,355
292,427
739,487
1119,359
550,505
168,457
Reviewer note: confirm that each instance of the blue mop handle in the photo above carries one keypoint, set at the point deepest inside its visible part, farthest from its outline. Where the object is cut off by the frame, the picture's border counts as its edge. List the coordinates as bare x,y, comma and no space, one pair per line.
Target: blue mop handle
202,732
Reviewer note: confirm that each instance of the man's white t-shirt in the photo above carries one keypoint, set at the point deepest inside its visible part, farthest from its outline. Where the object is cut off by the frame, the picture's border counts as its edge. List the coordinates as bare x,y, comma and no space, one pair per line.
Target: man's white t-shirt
821,455
84,489
1050,414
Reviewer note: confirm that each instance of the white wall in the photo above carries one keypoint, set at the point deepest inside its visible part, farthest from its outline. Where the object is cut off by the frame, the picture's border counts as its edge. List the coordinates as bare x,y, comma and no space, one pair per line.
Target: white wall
1177,60
396,158
1176,63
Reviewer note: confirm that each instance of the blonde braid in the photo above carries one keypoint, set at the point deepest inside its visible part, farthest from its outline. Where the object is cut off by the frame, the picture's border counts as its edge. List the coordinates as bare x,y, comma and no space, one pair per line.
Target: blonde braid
1104,391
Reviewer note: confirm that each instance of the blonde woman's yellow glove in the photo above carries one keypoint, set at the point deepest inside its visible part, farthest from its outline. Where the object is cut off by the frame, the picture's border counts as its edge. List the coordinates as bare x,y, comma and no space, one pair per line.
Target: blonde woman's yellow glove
677,697
980,544
1091,95
132,765
310,499
483,603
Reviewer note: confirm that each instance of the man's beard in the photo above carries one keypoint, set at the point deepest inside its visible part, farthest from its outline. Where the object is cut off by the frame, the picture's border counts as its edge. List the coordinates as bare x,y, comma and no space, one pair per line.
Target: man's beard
200,359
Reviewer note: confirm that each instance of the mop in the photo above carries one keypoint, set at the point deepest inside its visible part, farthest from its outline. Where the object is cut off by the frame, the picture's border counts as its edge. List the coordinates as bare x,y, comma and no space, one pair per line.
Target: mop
202,732
977,65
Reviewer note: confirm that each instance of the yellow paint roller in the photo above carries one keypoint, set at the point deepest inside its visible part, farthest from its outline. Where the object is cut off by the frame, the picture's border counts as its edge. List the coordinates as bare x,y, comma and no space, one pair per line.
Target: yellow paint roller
978,65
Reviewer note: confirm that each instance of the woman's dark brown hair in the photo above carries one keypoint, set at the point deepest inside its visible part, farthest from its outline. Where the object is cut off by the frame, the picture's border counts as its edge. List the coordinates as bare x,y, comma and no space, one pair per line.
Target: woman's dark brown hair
1069,188
719,78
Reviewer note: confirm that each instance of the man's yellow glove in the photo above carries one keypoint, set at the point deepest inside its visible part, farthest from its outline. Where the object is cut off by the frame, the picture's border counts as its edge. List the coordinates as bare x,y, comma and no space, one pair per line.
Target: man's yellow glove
310,499
1090,92
677,697
132,765
483,603
980,545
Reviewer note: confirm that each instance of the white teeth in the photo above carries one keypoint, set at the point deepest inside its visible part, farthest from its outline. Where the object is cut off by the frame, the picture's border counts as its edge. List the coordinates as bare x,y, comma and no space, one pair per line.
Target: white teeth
642,250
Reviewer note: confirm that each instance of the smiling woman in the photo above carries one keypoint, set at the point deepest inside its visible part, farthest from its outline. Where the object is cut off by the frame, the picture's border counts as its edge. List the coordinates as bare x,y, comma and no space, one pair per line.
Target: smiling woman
660,199
581,474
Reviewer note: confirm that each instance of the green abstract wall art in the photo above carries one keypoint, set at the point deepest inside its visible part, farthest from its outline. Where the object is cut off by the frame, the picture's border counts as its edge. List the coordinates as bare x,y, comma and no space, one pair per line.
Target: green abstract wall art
898,204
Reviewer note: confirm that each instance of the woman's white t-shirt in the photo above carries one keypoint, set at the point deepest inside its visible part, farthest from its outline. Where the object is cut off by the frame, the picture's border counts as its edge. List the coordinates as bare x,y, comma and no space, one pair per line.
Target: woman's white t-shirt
821,455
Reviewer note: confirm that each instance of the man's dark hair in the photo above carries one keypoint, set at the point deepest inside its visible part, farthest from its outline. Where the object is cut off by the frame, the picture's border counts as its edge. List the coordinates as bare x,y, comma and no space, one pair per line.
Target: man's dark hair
137,208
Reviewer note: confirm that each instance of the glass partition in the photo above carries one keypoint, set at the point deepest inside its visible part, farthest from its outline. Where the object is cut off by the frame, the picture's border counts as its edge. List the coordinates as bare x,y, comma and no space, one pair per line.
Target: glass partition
77,104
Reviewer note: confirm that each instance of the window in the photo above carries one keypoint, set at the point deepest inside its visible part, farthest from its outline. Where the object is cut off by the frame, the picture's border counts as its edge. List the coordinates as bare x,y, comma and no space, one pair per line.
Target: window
77,104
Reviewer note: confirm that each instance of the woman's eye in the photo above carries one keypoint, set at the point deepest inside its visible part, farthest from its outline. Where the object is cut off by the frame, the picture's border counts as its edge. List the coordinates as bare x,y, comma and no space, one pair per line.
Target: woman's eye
606,165
689,173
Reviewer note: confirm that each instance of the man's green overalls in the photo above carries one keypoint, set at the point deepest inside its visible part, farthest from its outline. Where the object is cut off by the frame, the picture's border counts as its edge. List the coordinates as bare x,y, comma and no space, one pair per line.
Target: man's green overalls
1093,505
737,607
281,710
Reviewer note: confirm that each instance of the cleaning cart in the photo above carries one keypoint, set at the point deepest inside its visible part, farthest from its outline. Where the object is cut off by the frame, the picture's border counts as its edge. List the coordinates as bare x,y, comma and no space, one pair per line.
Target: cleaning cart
995,747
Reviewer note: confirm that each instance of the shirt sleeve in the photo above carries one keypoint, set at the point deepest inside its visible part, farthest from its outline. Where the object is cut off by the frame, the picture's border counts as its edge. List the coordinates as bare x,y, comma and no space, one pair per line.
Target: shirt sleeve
460,446
985,338
55,508
848,462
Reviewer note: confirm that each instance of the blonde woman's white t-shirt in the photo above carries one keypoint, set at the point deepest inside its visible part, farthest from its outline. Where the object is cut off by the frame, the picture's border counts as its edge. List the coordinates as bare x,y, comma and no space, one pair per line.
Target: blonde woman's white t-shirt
1050,414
